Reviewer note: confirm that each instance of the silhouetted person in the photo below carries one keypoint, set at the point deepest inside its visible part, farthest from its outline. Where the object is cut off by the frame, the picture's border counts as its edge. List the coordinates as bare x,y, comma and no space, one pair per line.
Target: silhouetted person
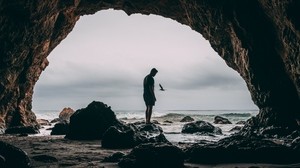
149,96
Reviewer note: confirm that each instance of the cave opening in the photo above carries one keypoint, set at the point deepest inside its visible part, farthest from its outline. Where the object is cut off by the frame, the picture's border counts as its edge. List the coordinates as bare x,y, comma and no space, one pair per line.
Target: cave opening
107,55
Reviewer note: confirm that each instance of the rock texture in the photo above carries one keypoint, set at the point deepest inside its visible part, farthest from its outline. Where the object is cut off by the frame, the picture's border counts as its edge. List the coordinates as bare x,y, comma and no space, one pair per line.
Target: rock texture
201,127
91,122
221,120
150,155
66,113
257,38
131,135
11,156
241,149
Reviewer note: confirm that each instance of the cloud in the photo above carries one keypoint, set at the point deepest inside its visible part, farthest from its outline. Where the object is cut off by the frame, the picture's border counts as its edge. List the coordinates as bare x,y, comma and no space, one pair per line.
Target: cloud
107,55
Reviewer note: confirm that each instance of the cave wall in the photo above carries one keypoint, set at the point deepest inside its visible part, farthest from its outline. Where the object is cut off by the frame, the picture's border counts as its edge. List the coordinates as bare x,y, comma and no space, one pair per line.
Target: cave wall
257,38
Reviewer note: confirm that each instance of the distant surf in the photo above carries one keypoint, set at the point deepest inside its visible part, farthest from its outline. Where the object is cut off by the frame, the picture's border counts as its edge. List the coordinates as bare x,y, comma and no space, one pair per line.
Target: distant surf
169,120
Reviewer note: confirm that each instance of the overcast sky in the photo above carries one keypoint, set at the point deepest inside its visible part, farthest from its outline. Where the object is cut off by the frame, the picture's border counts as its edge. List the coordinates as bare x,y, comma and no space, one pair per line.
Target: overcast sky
107,55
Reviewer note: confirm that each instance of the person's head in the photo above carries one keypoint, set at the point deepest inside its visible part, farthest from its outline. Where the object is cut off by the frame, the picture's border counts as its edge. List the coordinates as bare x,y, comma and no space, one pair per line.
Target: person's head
153,72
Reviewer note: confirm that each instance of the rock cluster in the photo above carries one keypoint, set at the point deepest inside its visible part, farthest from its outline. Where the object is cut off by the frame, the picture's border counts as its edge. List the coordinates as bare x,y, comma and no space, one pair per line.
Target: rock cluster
61,126
200,127
128,136
241,149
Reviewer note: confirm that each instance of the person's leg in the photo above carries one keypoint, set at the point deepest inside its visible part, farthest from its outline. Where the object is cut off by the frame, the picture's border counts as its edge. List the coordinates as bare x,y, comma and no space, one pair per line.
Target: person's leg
149,113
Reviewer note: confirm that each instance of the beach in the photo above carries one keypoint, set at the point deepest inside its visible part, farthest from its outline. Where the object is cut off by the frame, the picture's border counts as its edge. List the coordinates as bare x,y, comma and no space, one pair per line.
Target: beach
55,151
51,151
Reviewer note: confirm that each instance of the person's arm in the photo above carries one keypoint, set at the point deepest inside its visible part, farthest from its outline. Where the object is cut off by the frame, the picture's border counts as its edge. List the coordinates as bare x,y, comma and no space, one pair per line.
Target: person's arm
152,92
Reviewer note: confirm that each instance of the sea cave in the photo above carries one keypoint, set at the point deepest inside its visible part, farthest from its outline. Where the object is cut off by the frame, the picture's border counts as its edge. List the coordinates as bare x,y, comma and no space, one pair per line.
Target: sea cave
257,38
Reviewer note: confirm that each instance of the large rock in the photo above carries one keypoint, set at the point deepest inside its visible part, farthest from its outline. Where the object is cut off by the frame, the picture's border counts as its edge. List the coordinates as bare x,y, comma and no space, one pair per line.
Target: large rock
158,155
91,122
187,119
118,136
221,120
61,128
66,113
11,157
127,136
22,130
201,127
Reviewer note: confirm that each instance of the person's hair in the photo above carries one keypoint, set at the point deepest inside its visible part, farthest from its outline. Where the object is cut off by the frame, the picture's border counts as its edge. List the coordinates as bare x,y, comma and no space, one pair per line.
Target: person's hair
153,71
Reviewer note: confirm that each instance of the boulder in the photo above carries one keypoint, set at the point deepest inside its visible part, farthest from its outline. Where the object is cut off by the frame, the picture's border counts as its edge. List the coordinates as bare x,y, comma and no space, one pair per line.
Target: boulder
66,113
12,156
201,127
118,136
60,128
221,120
158,155
22,130
147,133
128,136
116,157
91,122
187,119
43,122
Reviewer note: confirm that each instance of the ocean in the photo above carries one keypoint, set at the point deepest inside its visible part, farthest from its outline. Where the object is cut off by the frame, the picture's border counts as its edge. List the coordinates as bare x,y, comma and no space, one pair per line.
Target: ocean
170,121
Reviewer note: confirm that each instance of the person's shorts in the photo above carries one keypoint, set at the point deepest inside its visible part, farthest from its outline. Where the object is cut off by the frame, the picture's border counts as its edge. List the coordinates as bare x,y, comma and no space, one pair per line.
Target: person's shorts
148,100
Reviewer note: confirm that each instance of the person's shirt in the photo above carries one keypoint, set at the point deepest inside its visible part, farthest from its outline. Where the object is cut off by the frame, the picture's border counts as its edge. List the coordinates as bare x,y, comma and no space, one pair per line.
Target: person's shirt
148,84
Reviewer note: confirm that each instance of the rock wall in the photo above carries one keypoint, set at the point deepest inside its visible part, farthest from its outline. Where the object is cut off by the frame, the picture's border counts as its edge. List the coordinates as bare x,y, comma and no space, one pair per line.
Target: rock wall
257,38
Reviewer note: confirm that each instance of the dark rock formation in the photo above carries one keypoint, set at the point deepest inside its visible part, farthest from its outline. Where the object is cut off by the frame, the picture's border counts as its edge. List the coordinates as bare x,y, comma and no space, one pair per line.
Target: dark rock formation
44,158
66,113
60,128
118,136
221,120
128,136
153,155
241,149
12,156
259,39
296,144
201,127
91,122
187,119
116,157
22,130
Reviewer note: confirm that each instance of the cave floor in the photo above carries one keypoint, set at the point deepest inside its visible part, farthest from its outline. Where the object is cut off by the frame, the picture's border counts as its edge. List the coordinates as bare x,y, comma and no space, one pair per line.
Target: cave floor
55,151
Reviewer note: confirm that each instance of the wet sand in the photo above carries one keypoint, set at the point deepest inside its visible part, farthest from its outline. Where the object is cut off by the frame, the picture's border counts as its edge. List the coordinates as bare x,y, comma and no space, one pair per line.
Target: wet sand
55,151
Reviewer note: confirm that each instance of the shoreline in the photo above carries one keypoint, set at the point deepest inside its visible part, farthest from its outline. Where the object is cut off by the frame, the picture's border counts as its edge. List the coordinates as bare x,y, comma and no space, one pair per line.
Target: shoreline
55,151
